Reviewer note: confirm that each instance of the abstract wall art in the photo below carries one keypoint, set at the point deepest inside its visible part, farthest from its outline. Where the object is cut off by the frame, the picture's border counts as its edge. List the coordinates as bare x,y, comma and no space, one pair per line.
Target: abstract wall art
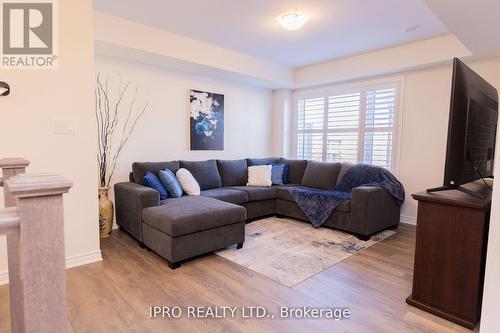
206,120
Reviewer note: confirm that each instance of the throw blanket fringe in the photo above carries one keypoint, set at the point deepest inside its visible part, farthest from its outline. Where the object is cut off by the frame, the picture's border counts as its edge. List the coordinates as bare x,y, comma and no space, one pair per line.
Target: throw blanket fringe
318,205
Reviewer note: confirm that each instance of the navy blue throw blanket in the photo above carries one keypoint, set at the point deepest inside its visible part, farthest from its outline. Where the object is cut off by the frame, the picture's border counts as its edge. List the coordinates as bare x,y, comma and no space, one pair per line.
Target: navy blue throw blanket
318,205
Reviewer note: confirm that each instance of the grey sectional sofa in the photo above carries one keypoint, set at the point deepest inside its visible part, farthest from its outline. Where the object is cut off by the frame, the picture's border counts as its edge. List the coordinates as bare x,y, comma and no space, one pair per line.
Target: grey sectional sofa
181,228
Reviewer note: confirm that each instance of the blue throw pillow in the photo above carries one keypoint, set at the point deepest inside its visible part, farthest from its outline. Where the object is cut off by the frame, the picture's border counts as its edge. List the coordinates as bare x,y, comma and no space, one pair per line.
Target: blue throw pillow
150,180
171,183
285,174
277,174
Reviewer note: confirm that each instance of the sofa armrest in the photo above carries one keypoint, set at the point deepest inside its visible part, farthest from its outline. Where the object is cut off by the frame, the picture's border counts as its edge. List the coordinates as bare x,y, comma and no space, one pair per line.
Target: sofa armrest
373,209
130,200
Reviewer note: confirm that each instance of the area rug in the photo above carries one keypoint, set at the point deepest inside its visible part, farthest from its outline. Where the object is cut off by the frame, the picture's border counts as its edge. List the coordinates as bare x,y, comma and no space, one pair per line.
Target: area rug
290,251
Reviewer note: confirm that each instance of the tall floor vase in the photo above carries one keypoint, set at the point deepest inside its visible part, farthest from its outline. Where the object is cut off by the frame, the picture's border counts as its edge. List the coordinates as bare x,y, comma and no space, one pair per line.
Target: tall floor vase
106,212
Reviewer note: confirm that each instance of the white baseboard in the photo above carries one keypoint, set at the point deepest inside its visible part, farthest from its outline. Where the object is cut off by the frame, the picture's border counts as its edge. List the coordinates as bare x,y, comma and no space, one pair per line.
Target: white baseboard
73,261
83,259
408,219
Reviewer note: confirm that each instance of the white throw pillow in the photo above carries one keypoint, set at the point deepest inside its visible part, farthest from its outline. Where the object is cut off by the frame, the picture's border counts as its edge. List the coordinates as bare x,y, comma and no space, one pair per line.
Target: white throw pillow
188,183
259,175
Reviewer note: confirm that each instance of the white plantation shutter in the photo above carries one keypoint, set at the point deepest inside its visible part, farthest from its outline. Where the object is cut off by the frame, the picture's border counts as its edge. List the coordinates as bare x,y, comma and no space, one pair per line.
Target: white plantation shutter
343,125
380,108
343,111
357,126
310,123
379,127
311,114
342,147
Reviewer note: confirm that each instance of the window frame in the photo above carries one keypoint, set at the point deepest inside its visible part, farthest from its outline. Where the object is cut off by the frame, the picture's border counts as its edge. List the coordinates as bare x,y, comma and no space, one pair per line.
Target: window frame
361,87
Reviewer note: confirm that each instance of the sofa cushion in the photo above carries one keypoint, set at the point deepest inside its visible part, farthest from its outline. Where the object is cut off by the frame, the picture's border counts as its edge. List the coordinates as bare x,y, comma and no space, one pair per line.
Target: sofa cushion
139,169
171,183
151,181
227,195
189,214
233,172
262,161
205,173
283,193
345,166
189,185
260,175
256,193
278,174
321,175
296,169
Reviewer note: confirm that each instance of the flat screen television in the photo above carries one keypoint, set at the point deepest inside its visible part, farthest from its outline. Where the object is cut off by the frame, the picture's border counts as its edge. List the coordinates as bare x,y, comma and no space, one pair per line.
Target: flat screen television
472,129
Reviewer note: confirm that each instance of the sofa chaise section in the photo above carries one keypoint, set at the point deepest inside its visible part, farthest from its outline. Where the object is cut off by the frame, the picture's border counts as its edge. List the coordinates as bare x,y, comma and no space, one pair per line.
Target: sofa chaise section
182,228
130,200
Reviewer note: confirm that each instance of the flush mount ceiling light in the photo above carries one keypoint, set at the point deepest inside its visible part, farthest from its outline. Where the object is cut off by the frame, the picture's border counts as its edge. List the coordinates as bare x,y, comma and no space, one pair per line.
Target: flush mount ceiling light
292,21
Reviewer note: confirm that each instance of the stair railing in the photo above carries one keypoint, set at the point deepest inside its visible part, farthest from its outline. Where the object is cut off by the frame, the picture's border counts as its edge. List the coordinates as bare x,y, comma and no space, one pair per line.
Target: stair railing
33,222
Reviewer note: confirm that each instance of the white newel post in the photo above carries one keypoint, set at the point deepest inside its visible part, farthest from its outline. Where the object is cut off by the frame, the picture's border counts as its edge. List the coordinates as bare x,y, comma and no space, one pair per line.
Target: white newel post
10,168
36,258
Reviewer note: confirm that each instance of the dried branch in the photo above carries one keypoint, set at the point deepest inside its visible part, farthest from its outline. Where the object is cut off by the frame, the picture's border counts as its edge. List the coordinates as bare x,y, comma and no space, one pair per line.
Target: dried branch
124,142
108,120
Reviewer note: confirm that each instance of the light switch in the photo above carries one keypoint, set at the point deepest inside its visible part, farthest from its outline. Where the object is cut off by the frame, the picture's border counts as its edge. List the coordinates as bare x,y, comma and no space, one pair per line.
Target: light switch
63,126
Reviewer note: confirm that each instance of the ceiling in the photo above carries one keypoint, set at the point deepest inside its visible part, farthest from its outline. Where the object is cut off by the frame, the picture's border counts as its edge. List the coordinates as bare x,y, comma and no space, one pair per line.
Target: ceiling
475,22
336,28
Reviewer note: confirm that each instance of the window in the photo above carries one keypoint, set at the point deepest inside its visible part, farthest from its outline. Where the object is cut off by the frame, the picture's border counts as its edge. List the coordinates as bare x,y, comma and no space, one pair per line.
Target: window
357,126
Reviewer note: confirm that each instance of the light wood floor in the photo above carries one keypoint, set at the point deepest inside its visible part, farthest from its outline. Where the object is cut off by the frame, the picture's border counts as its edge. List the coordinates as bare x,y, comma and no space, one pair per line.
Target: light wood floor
115,295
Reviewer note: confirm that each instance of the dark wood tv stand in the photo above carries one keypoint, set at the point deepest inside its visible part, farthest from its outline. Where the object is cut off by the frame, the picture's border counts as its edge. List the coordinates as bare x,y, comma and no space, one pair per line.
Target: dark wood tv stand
450,253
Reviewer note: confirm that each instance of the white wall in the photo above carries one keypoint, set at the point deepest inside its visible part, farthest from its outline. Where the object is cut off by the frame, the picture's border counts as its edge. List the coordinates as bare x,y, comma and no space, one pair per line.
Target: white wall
163,133
179,52
423,133
282,122
38,96
425,53
490,320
